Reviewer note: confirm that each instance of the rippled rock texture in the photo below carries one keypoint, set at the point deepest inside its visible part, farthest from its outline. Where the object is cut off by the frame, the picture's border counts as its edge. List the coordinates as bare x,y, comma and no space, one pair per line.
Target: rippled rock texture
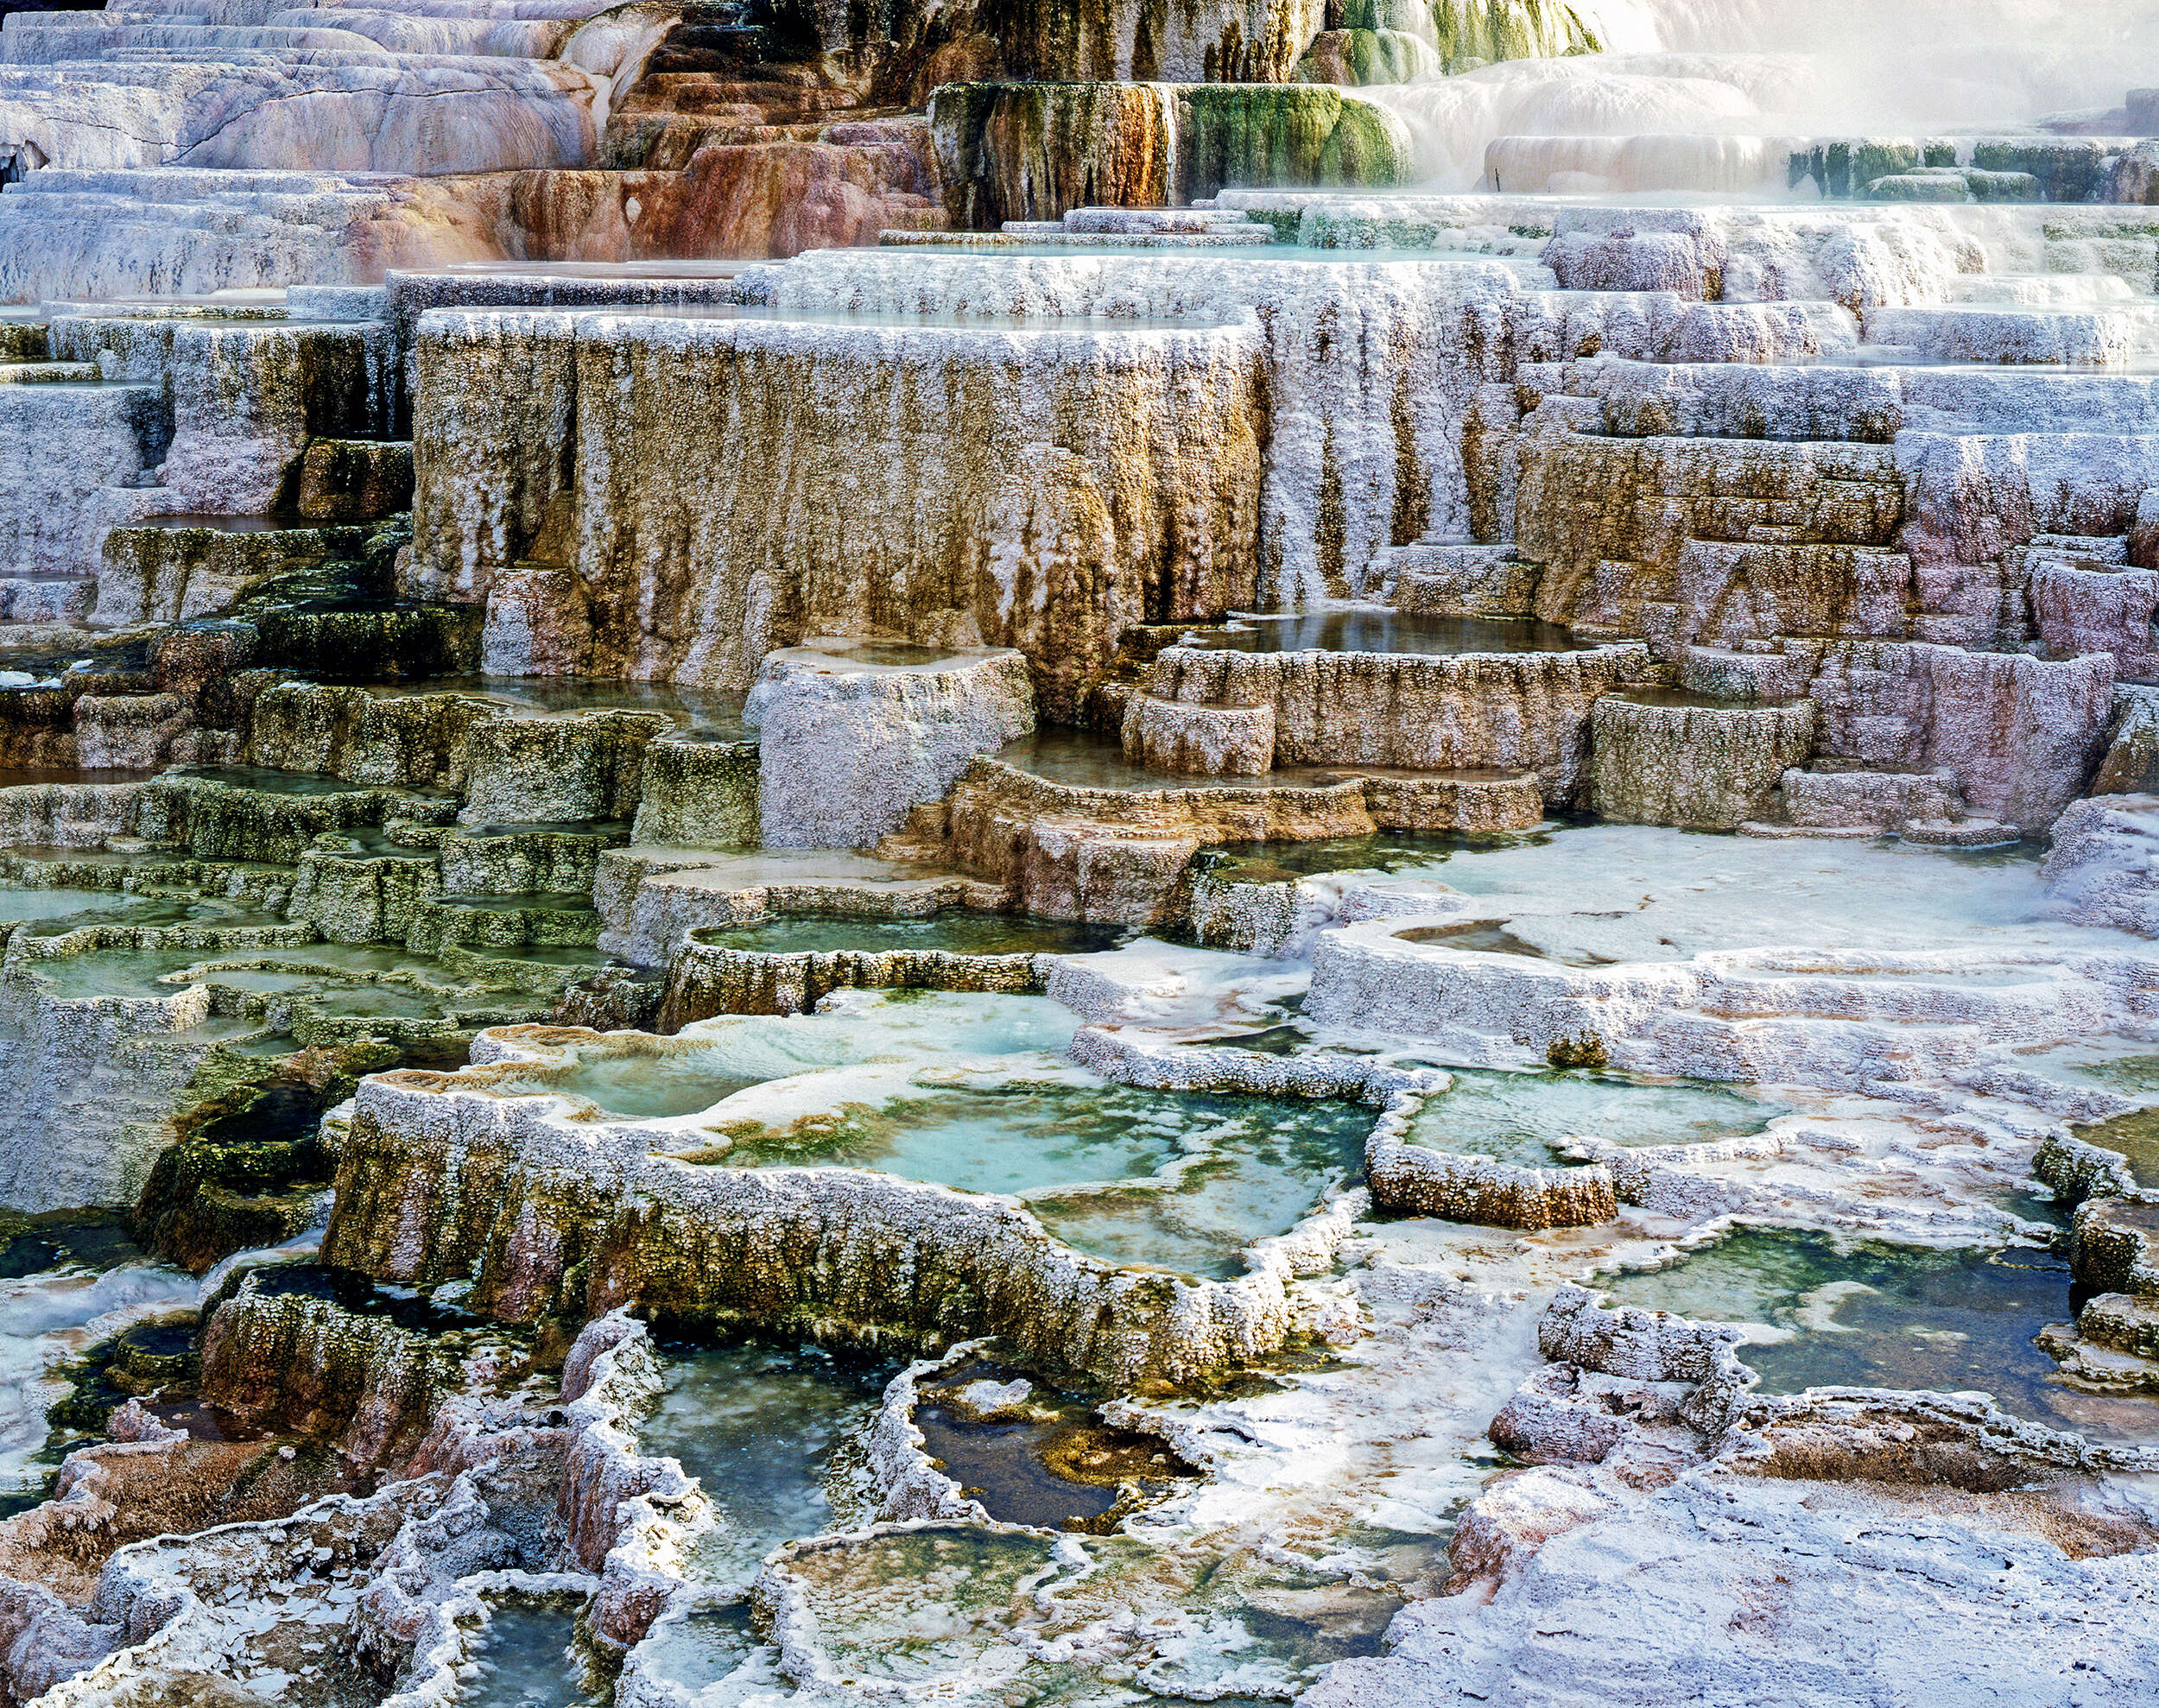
318,89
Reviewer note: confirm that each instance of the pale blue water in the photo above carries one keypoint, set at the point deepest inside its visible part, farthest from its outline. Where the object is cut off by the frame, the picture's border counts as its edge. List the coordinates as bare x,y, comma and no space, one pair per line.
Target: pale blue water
1524,1117
1253,1167
762,1429
1850,1314
526,1662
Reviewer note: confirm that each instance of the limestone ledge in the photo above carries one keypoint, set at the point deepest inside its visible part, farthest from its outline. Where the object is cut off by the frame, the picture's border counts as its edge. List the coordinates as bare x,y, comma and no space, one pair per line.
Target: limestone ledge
1207,740
525,770
56,509
1070,851
1406,1179
92,1079
650,898
1381,426
407,1572
1613,1369
853,736
1858,256
547,1215
696,793
402,741
245,392
1735,545
1524,712
464,978
2114,1244
1644,1420
518,860
218,90
2102,865
203,817
1701,768
705,979
1765,1015
515,767
1231,911
2076,1169
305,1366
160,572
1866,541
911,1485
1420,1180
2131,763
1416,1179
1134,1059
100,1069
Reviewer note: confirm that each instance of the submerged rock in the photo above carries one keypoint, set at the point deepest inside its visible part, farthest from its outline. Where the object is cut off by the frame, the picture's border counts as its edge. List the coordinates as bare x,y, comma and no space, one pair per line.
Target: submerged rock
2103,864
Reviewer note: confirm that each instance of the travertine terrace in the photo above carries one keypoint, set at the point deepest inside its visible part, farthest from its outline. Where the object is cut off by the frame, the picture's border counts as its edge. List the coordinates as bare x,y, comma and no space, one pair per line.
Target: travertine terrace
1296,851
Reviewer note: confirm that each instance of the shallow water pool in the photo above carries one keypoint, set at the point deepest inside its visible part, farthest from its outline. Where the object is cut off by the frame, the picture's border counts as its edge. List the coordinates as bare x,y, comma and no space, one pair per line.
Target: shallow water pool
930,1608
527,1660
772,1435
714,1058
1250,1167
1525,1117
1863,1314
1631,893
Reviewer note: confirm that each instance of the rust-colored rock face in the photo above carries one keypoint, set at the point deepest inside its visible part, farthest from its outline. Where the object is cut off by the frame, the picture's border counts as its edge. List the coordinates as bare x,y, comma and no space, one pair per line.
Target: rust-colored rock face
728,201
780,200
1012,152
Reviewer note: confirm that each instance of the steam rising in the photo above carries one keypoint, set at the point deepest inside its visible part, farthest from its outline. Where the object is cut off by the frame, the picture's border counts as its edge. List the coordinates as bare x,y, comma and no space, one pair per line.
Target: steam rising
1734,78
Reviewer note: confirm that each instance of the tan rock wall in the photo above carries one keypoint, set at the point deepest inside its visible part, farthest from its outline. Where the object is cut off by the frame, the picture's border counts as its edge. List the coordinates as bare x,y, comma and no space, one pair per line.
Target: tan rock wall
1524,711
1613,520
560,1219
2022,735
1701,768
741,484
491,446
